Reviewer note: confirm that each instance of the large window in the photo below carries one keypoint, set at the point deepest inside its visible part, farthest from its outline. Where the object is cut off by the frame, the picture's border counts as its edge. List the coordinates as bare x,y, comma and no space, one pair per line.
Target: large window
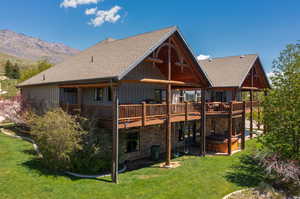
132,141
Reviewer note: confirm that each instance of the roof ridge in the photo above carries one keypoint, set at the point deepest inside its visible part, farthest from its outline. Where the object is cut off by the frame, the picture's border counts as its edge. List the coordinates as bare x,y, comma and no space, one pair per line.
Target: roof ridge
140,34
226,57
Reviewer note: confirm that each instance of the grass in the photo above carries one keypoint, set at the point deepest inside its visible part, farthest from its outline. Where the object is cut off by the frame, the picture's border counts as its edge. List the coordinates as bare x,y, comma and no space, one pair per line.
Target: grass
21,176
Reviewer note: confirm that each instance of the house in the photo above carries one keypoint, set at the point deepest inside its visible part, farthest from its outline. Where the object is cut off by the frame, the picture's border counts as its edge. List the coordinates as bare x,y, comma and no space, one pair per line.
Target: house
136,85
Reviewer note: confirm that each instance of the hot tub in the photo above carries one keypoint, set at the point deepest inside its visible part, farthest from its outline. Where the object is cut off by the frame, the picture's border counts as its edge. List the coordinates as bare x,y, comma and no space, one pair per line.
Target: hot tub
219,144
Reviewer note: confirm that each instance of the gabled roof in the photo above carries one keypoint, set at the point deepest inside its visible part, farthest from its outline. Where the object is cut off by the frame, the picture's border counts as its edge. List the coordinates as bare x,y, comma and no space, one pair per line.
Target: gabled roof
107,59
230,71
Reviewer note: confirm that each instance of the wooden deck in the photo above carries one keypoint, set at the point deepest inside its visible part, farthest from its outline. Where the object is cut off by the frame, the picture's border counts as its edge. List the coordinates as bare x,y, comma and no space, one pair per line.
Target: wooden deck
136,115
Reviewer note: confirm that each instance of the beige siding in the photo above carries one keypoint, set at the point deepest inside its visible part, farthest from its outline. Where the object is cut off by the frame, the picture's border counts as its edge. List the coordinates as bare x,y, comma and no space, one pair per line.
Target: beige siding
135,93
46,95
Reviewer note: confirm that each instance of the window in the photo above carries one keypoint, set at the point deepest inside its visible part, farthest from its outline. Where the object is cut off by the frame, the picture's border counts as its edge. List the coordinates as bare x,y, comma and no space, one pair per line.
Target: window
160,95
133,141
99,94
109,94
220,96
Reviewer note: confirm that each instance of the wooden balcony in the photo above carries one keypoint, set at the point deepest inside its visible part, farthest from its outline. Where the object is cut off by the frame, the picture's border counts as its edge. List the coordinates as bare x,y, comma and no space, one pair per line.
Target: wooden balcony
135,115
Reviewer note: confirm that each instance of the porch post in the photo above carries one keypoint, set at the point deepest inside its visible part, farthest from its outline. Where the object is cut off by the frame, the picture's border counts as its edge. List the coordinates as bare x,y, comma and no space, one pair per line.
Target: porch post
244,123
203,123
79,98
234,94
258,112
229,129
168,112
251,113
264,123
115,143
251,106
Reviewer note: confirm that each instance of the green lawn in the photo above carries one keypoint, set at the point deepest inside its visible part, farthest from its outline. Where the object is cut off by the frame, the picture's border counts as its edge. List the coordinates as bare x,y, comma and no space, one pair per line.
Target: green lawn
209,177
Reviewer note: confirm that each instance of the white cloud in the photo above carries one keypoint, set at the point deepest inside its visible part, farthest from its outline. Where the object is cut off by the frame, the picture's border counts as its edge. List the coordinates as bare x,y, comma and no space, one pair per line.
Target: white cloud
91,11
75,3
102,16
270,74
203,57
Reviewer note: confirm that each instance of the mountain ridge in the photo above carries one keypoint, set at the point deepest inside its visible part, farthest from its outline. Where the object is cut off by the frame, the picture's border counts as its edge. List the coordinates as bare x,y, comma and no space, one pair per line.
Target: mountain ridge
27,47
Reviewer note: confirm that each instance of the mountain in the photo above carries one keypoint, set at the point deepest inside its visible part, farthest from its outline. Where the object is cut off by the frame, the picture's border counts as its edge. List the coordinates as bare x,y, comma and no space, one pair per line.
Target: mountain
30,48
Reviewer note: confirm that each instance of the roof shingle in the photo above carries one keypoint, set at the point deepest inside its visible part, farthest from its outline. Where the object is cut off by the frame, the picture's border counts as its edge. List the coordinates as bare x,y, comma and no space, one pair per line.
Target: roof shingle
228,71
111,58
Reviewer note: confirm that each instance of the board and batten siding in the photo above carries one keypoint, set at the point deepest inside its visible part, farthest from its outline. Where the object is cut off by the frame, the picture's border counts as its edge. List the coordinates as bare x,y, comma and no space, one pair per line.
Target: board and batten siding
47,95
136,93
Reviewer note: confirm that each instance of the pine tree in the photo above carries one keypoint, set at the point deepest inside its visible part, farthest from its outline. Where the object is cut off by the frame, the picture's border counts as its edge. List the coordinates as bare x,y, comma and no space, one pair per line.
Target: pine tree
8,69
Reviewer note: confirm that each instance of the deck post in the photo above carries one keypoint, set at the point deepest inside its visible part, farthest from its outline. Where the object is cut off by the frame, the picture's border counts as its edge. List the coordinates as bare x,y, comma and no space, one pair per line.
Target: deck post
115,143
264,123
258,114
168,112
244,127
186,110
79,98
143,113
251,113
203,123
230,128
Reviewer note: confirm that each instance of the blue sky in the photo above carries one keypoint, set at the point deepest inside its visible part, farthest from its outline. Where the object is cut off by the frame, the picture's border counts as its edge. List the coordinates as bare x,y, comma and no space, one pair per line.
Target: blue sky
211,27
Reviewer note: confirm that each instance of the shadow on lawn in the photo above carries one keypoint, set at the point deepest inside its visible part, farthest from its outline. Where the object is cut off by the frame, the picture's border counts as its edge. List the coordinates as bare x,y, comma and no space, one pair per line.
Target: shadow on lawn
246,173
37,165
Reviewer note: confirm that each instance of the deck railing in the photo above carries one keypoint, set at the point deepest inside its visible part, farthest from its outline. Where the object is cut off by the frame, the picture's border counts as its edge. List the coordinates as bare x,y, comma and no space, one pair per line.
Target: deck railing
143,112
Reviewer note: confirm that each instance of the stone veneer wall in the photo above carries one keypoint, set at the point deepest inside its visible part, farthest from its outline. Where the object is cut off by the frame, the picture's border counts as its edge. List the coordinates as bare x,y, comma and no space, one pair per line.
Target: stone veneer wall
152,135
221,125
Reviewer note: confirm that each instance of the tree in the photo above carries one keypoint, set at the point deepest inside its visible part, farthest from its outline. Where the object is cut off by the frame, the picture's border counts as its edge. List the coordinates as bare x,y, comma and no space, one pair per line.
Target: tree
282,106
12,71
32,71
8,69
15,71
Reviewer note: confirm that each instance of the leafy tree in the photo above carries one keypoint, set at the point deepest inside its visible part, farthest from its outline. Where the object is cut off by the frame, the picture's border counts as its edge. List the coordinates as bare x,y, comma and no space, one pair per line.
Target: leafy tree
30,72
282,106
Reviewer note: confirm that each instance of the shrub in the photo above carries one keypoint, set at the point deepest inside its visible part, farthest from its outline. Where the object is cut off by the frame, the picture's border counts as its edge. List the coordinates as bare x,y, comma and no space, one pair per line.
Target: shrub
282,174
96,152
72,143
58,136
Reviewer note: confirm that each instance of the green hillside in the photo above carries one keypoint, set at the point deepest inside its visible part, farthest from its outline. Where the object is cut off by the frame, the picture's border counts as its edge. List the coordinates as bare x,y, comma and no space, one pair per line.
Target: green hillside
23,63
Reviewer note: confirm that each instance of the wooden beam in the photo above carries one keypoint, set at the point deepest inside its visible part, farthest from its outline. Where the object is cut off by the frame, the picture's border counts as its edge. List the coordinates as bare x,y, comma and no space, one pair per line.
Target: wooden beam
250,88
230,130
96,85
79,98
264,122
154,60
168,113
115,141
251,113
160,81
203,123
244,126
181,64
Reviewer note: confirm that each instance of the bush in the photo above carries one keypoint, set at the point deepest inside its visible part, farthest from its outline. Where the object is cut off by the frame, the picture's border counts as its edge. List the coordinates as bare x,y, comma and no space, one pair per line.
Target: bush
58,136
96,152
72,143
282,174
